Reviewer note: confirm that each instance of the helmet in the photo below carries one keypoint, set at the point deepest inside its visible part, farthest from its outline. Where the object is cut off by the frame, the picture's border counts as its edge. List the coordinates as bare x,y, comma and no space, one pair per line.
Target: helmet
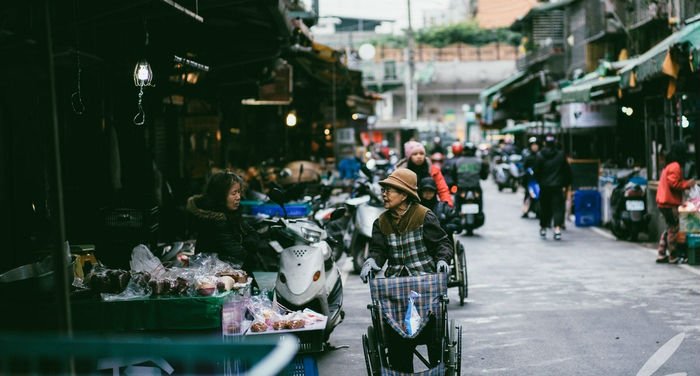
469,149
532,140
457,148
550,140
437,157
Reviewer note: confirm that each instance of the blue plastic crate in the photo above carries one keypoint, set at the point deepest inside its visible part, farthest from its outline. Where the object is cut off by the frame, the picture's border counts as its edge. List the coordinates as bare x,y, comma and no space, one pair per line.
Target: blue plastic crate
587,208
294,210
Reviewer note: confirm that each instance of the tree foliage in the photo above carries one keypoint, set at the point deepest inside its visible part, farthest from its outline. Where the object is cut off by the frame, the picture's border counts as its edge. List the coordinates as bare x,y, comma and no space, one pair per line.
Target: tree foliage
465,32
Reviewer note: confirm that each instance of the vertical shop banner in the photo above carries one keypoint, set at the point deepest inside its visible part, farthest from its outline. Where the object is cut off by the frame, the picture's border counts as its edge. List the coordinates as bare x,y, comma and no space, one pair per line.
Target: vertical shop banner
586,115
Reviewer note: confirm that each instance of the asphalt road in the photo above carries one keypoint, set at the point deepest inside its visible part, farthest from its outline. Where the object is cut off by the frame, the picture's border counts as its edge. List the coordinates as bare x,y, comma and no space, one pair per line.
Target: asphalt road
586,305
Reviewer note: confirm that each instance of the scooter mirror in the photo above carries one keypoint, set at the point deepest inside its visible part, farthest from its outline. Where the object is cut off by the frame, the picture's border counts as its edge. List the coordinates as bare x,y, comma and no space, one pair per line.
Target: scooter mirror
277,196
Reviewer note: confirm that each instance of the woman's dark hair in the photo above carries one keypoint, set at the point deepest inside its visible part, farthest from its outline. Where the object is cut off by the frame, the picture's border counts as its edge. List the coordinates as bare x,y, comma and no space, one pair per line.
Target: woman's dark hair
677,153
218,187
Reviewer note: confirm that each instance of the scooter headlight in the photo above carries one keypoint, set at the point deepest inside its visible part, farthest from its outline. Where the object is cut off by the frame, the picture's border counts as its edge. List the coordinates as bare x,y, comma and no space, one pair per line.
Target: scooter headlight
312,236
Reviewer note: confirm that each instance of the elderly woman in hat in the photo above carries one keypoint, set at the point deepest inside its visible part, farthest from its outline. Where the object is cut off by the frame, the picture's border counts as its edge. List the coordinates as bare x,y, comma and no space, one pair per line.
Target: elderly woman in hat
407,236
409,239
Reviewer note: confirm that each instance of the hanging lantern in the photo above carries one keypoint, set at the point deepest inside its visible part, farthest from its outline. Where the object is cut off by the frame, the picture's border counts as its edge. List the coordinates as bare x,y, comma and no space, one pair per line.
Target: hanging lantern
143,75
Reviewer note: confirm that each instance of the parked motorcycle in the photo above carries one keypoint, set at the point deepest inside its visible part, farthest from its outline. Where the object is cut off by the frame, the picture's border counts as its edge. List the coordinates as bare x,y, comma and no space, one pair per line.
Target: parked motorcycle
628,206
308,276
365,207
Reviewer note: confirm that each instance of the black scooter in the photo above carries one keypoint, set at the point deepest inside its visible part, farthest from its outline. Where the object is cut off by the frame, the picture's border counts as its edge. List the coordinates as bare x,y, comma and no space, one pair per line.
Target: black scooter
629,208
469,203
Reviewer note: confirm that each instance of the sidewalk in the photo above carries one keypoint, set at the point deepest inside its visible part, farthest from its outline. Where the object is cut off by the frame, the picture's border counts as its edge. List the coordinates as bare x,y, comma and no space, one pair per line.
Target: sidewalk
648,246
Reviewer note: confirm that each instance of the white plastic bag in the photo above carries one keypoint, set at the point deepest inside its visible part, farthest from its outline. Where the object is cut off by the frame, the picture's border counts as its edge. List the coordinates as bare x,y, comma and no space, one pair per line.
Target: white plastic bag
142,260
412,319
694,192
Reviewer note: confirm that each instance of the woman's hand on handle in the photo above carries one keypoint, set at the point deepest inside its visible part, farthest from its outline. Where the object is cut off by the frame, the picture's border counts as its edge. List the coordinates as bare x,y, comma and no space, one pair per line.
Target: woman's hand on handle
369,266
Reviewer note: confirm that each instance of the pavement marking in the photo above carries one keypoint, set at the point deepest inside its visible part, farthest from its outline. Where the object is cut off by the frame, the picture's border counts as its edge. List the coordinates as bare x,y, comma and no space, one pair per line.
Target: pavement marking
661,356
608,235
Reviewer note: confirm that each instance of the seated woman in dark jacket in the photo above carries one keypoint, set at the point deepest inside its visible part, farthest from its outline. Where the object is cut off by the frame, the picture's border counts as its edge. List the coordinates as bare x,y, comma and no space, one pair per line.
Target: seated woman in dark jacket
218,222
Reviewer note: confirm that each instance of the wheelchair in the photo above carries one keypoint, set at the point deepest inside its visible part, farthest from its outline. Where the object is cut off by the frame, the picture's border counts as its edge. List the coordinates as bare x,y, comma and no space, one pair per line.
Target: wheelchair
388,308
458,271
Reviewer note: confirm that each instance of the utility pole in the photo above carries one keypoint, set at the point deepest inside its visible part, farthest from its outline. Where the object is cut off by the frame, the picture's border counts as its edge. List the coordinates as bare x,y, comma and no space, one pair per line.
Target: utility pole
410,84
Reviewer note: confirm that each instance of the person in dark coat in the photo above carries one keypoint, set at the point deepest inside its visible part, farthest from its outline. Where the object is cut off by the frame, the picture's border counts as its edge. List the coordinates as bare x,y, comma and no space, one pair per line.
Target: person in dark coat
553,173
218,222
448,217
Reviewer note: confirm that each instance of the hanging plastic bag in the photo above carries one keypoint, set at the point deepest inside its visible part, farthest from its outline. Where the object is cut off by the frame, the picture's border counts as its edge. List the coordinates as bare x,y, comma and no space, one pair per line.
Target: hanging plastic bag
694,193
412,319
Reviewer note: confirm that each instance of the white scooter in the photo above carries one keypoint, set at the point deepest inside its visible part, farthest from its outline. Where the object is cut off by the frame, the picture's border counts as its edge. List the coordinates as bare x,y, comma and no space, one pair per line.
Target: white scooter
365,208
308,276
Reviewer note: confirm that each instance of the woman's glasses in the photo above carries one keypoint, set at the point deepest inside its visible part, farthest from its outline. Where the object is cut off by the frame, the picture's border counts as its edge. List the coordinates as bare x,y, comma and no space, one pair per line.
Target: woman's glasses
388,190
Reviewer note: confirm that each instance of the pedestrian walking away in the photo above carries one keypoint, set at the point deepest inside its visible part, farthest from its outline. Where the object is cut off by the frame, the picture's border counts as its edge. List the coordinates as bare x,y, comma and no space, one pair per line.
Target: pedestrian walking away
668,197
553,173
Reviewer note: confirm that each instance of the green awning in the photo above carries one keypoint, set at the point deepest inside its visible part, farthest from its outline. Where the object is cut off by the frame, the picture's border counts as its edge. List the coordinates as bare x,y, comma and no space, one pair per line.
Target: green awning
530,125
650,64
589,87
547,106
518,128
493,89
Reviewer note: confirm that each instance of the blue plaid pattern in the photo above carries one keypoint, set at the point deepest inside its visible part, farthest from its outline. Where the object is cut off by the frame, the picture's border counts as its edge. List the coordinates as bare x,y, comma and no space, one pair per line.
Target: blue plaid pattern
409,251
437,371
391,294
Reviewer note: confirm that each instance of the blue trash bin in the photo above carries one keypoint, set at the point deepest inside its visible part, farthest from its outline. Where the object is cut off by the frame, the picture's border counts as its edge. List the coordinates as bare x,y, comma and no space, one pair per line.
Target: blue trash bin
587,208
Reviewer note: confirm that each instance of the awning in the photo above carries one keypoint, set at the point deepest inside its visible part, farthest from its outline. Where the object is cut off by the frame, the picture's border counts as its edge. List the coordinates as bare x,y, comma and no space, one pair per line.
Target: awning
490,91
529,127
589,88
658,60
551,98
493,95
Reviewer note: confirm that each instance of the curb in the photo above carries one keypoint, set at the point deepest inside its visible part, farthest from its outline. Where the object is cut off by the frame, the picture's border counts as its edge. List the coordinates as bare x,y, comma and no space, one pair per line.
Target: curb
610,236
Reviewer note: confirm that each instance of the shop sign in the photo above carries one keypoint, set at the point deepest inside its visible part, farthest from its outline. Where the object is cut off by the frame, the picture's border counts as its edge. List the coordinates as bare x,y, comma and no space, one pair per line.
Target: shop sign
587,115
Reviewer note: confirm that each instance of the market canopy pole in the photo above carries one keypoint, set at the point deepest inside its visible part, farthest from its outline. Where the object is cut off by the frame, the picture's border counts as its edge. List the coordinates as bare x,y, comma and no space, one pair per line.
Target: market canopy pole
59,252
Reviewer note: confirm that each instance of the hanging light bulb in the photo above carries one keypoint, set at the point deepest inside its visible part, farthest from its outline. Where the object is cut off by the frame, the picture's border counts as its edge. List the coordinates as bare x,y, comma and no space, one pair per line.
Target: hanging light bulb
291,118
143,76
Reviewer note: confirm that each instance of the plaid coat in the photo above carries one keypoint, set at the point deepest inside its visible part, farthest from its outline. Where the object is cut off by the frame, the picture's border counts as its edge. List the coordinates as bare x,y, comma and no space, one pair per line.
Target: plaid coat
411,247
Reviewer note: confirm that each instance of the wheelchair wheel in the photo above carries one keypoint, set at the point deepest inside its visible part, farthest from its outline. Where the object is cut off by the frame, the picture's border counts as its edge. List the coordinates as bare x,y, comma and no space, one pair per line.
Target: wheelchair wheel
454,356
461,264
371,351
459,351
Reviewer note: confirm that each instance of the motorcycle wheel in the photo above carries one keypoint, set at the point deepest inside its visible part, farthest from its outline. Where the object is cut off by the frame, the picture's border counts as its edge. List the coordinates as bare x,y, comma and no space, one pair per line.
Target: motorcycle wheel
360,252
619,232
